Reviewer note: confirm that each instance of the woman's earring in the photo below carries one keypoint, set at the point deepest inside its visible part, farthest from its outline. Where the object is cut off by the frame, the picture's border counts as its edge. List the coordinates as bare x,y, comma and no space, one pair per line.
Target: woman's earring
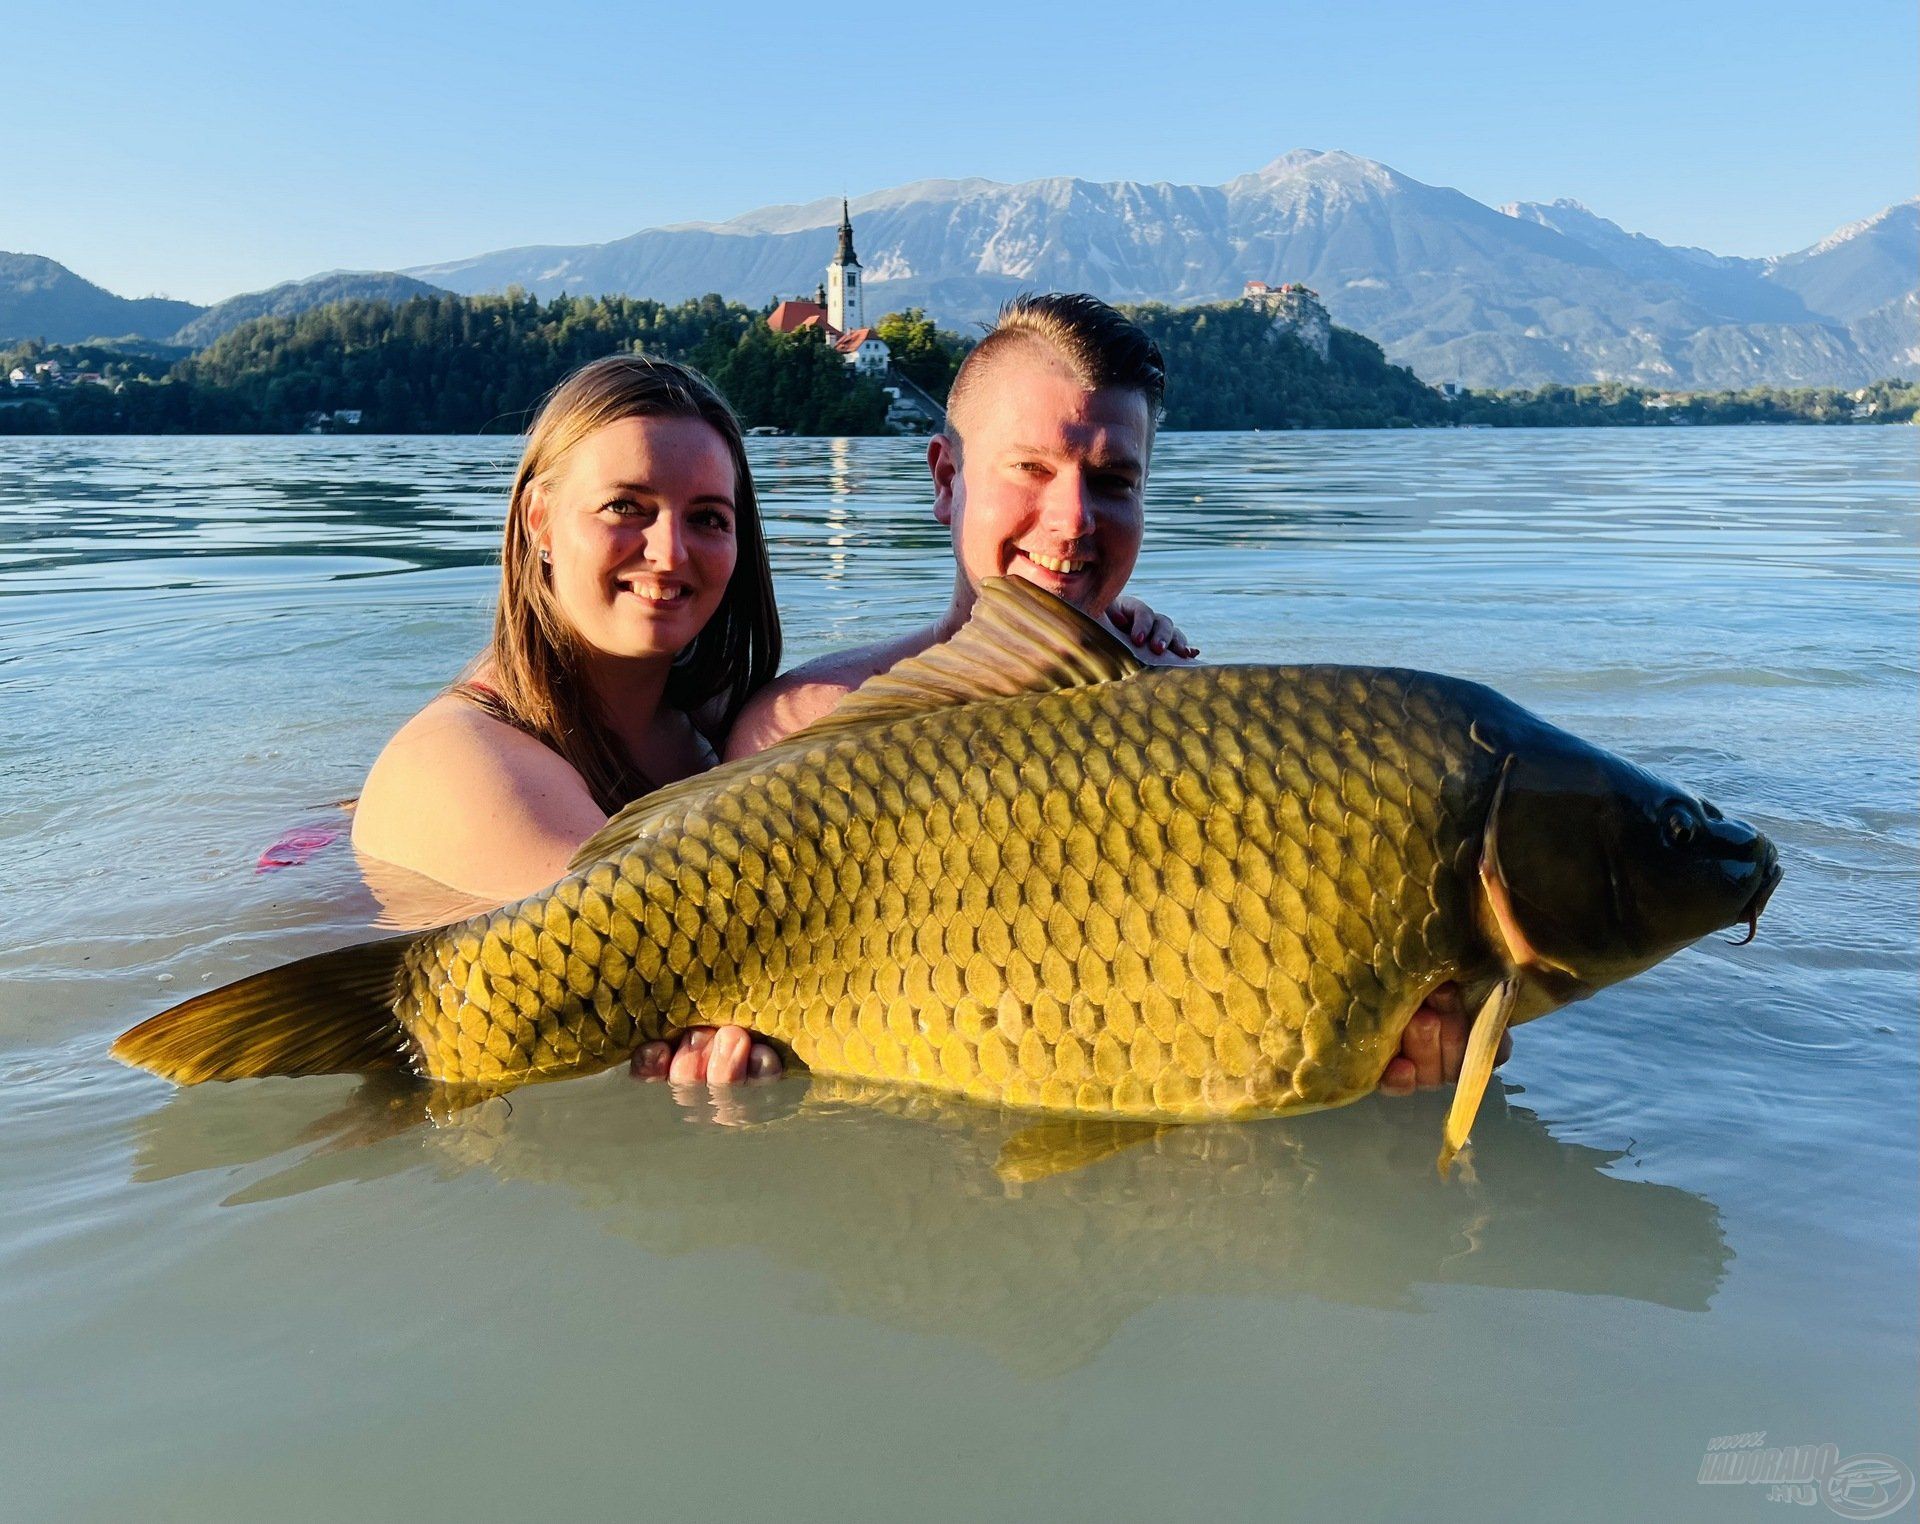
546,556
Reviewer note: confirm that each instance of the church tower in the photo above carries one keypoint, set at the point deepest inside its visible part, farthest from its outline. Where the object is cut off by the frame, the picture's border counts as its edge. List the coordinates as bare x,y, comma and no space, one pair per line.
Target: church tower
846,303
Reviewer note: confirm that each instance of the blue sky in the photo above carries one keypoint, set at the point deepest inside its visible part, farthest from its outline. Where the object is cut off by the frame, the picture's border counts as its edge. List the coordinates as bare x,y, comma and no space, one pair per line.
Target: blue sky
204,149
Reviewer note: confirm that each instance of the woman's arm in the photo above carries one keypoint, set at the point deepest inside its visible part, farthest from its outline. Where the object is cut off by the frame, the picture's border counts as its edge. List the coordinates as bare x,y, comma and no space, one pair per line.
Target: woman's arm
471,802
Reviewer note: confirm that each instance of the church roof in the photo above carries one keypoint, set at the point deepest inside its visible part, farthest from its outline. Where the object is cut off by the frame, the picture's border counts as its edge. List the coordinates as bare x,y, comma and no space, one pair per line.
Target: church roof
845,255
789,317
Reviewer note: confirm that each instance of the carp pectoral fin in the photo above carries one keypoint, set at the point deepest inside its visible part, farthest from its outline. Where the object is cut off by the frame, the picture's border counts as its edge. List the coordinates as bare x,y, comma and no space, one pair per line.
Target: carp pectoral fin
1047,1149
1483,1045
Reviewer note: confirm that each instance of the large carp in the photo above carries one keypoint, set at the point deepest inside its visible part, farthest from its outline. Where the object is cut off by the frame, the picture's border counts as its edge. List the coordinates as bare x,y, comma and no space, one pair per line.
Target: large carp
1026,869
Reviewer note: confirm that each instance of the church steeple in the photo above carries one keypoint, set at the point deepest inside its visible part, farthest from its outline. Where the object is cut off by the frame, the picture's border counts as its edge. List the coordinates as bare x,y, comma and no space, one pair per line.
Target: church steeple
846,256
846,303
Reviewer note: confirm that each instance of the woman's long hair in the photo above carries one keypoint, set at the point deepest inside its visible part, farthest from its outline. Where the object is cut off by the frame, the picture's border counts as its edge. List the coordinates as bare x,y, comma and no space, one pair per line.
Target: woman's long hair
536,684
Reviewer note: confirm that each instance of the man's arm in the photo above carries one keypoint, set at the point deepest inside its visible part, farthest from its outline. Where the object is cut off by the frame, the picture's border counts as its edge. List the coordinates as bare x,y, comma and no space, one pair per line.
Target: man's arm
810,692
785,705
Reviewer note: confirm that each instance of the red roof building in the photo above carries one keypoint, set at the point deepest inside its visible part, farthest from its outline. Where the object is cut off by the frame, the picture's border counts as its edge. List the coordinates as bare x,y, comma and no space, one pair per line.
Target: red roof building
864,350
791,317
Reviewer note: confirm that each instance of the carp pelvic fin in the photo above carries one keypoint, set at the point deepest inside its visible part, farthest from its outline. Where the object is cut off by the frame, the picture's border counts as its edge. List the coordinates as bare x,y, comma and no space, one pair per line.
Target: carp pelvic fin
1483,1045
329,1014
1047,1149
1018,640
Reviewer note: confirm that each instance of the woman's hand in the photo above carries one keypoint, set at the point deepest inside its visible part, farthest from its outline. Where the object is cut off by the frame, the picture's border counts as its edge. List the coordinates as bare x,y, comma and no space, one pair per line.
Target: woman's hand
1152,632
1433,1045
707,1056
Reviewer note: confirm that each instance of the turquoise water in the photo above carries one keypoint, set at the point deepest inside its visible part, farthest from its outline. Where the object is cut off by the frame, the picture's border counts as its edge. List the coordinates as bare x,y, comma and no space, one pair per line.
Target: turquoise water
1692,1211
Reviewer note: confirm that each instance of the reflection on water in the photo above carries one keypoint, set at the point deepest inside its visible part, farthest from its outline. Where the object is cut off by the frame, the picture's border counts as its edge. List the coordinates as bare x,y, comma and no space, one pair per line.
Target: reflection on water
1696,1214
896,1206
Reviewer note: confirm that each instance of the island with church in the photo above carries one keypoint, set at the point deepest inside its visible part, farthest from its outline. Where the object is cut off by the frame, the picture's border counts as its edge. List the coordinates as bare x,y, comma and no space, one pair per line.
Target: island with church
838,316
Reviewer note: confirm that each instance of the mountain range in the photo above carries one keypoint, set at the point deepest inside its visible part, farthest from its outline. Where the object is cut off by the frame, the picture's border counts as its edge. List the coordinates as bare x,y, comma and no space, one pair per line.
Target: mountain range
1517,295
40,299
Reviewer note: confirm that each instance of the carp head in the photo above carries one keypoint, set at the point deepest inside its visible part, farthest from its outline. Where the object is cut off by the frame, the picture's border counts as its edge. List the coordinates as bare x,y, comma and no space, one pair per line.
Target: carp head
1591,870
1595,869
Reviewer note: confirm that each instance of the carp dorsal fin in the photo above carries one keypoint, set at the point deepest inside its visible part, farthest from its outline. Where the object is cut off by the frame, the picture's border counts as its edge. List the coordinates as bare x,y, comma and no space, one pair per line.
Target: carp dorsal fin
1019,639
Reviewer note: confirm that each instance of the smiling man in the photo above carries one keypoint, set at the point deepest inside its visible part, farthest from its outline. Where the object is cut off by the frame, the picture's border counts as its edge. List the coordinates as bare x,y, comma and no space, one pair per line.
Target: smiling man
1040,473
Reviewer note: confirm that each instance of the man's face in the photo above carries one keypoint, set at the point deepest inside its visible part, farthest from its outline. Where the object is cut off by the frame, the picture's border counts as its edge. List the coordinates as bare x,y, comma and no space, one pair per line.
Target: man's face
1049,486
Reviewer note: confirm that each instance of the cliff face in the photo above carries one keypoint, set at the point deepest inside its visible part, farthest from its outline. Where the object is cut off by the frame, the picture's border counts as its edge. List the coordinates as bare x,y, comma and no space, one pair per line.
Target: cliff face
1297,312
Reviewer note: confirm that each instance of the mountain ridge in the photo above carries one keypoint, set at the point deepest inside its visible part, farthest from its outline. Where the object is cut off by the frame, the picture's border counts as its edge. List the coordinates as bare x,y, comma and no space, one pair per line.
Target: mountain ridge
1521,295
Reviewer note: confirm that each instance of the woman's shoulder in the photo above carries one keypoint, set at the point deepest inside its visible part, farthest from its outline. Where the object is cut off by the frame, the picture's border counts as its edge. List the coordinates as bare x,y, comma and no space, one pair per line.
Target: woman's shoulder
471,801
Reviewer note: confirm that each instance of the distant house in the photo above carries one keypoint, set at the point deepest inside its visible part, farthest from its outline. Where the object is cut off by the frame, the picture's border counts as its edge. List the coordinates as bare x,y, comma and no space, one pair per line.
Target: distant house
90,378
327,422
22,379
49,369
864,351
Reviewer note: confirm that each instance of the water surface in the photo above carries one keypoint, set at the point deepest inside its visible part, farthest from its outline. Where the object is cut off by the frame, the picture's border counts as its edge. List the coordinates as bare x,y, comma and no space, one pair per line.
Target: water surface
1693,1203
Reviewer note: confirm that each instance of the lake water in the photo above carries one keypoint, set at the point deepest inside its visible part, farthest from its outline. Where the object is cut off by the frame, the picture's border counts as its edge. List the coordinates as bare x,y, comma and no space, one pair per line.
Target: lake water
1692,1206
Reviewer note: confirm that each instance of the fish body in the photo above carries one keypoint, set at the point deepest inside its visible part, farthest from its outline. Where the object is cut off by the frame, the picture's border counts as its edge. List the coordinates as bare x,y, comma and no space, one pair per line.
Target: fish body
1195,893
1024,870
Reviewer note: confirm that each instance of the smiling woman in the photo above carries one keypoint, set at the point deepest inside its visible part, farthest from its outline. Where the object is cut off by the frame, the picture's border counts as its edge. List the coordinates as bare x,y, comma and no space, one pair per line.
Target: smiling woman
635,617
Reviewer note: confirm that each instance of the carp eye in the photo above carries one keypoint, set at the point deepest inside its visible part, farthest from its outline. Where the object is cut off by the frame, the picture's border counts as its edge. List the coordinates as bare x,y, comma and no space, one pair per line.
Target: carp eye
1678,827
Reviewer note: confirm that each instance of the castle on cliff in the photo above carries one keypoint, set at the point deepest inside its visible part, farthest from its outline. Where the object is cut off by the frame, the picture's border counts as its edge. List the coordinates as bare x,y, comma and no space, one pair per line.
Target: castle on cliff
1295,311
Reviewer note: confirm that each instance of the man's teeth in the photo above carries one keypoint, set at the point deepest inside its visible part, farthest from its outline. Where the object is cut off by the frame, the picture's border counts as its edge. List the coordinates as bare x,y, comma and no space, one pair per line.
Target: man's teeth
1058,567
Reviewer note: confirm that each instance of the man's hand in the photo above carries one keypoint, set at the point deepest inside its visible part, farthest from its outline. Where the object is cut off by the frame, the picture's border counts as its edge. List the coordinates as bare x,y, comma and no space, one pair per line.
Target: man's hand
1433,1045
1150,631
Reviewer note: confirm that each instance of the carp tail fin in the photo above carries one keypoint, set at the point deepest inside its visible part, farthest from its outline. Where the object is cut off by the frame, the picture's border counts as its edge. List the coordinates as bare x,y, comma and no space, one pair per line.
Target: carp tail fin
333,1013
1483,1046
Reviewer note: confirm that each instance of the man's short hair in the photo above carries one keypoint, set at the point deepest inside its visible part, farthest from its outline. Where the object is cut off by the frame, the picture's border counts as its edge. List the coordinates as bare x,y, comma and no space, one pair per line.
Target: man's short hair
1101,346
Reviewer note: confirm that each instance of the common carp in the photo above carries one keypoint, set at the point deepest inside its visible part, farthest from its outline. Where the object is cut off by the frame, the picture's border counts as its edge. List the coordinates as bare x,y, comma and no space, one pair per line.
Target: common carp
1026,869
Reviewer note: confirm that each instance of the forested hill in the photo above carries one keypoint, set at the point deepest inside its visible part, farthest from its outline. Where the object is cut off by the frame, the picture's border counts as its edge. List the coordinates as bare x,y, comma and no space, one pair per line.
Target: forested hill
447,364
1228,369
464,365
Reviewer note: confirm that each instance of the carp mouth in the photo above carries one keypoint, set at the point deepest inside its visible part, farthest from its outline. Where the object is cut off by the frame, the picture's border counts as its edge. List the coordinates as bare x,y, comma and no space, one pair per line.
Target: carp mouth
1769,881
